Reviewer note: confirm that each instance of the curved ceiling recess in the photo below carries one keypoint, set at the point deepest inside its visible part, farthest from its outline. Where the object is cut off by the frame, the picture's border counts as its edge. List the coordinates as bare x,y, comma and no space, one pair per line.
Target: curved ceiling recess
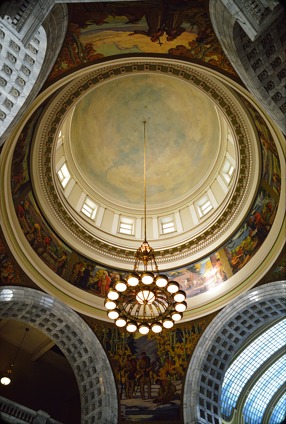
80,198
195,126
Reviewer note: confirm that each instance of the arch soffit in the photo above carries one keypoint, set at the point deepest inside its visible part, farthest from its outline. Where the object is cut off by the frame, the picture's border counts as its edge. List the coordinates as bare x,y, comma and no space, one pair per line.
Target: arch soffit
221,341
94,377
227,31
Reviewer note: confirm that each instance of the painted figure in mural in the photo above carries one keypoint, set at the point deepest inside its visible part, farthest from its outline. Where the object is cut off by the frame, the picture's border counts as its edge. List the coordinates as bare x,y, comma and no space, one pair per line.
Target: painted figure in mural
130,371
118,374
61,263
37,236
165,18
22,218
77,272
114,276
104,282
257,227
269,212
85,276
175,16
144,376
166,391
47,243
167,370
7,273
238,257
155,368
154,18
220,274
155,22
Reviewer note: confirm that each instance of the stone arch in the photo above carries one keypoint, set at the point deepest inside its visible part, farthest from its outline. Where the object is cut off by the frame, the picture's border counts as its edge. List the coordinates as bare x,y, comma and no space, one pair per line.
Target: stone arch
52,32
220,342
81,347
260,63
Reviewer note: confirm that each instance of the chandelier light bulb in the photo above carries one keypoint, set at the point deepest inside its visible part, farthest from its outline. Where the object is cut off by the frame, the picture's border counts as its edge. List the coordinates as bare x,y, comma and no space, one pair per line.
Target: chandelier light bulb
173,287
157,327
161,281
110,304
113,314
121,321
5,380
112,294
168,323
144,329
131,327
147,277
177,316
181,307
133,279
180,296
120,286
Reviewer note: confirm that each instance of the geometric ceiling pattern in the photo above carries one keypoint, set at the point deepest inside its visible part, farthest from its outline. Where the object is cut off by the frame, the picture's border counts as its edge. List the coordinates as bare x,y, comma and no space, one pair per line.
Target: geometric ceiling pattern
256,355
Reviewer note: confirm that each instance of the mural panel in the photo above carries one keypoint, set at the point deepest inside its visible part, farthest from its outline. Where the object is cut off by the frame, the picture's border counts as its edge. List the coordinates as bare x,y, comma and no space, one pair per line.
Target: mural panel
195,278
101,30
149,370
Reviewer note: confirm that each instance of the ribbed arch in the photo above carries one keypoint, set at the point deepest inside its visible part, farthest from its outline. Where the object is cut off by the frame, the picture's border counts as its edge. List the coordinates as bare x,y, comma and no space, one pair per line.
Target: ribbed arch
221,342
258,391
28,80
249,59
249,361
263,390
276,410
99,401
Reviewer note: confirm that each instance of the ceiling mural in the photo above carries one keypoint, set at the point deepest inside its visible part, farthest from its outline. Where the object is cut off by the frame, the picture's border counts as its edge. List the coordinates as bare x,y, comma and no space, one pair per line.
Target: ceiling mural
196,278
90,26
9,274
99,30
168,355
180,148
107,138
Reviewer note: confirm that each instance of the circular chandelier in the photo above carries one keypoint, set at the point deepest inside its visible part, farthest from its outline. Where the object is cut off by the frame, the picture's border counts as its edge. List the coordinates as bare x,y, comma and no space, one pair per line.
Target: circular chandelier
146,300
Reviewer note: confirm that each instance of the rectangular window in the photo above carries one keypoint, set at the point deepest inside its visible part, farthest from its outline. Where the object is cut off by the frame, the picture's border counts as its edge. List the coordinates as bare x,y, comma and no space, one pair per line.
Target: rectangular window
204,206
89,208
64,175
60,140
227,171
126,226
167,225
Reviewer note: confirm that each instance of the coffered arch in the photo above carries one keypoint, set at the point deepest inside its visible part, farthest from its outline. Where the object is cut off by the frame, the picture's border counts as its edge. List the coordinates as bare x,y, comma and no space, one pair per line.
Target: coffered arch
223,339
76,340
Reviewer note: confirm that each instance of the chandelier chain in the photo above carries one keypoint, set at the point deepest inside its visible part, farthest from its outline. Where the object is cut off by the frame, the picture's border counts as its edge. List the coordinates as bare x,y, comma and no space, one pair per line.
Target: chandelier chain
145,185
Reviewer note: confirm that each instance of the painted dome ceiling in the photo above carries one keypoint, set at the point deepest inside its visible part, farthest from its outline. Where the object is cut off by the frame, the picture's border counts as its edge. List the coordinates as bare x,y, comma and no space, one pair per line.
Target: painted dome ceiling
106,139
82,187
191,158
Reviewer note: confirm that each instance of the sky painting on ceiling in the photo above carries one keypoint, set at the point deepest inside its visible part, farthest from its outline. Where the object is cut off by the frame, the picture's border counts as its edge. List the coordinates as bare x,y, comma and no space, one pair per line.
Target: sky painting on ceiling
107,139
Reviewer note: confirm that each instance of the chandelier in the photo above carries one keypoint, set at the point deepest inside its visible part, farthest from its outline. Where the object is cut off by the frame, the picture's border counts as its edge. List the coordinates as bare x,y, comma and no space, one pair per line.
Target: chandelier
145,300
7,376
